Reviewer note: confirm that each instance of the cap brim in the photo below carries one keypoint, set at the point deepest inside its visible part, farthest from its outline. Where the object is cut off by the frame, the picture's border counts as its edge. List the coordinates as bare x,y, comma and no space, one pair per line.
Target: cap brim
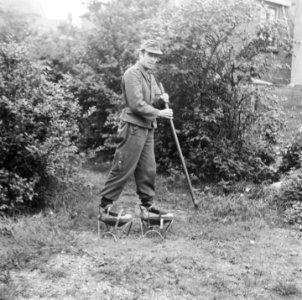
158,52
155,52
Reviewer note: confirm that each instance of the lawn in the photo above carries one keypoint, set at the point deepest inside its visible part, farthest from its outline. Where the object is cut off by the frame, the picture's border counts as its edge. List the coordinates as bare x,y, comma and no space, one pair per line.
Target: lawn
234,246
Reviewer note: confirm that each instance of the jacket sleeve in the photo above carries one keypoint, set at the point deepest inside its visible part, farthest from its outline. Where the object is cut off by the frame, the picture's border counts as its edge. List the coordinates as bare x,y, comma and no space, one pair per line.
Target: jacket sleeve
135,99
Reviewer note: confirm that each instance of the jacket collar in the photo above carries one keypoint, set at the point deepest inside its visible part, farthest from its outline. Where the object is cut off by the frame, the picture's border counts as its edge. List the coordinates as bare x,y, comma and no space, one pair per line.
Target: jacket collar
143,70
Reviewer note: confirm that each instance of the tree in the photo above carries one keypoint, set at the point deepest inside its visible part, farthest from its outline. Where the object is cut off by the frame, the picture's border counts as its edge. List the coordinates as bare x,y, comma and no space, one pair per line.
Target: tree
227,126
14,24
96,60
117,32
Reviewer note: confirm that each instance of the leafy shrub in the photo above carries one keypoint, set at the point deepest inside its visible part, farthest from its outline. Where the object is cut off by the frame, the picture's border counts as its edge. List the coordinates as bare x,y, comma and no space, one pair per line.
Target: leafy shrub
227,127
96,59
38,130
97,81
98,104
15,24
292,156
290,198
119,27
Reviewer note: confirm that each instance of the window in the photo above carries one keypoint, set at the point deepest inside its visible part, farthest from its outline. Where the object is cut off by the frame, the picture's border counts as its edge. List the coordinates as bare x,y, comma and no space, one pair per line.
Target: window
270,13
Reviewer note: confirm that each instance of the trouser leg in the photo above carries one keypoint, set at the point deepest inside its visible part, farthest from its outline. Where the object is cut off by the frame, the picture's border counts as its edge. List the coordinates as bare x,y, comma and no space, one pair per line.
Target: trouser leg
145,171
125,161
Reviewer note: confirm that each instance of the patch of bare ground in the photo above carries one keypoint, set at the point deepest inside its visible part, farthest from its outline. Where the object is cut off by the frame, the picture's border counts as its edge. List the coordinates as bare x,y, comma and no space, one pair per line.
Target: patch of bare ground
230,248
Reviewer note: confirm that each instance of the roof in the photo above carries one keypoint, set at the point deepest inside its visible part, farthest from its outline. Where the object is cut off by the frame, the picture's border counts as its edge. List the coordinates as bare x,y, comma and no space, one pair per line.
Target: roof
280,2
260,82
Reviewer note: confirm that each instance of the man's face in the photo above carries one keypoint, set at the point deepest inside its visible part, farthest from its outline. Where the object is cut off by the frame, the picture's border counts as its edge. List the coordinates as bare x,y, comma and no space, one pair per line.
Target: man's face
148,59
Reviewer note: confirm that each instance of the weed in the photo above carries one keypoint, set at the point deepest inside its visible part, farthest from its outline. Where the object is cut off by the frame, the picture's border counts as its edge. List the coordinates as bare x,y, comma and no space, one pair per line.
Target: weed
286,289
8,290
70,197
234,207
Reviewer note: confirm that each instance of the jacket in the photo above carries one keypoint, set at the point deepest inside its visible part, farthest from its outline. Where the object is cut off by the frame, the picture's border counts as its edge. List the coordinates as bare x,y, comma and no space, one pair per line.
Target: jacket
140,91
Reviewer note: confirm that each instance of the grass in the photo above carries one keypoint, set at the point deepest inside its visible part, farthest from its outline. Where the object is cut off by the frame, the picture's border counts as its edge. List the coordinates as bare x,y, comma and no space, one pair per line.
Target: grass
33,238
230,248
30,241
53,231
286,289
202,255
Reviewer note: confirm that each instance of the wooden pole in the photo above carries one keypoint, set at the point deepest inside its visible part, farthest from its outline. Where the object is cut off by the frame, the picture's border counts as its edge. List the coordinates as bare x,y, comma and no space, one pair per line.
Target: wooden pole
180,153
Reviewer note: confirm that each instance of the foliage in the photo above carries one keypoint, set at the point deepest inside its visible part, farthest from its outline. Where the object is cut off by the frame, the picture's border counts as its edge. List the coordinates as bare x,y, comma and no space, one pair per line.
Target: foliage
118,28
290,197
61,50
14,24
99,66
97,58
38,129
292,155
64,52
228,126
98,103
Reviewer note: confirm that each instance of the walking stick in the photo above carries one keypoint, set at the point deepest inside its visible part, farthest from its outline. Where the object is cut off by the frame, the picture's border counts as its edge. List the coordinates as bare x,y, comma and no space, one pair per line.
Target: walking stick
180,153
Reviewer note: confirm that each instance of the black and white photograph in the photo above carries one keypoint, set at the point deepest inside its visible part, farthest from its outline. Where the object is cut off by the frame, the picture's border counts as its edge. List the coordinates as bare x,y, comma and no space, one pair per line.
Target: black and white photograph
150,149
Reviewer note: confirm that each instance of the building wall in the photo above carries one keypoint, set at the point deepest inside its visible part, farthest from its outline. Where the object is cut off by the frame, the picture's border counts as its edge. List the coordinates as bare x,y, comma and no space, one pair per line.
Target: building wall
296,73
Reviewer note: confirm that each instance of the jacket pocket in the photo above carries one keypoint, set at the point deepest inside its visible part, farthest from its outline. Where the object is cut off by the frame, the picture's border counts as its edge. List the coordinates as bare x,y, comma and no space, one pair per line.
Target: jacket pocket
134,129
137,130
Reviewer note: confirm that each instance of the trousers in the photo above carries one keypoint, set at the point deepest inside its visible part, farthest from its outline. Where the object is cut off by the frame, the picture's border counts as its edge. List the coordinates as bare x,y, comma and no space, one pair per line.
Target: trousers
134,155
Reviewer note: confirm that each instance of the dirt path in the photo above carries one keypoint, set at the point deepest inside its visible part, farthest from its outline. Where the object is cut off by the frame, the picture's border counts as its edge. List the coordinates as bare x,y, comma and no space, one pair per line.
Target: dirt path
237,261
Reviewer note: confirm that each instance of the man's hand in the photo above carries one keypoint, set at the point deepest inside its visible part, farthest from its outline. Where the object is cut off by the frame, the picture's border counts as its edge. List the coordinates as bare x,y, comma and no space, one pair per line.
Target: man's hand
166,113
165,97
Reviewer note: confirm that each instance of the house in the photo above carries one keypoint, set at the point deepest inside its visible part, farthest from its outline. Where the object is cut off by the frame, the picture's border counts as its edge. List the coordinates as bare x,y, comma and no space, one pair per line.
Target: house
296,74
280,10
290,11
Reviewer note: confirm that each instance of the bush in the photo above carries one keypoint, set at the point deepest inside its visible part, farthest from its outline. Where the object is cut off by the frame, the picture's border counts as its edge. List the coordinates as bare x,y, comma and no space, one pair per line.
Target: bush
97,81
98,106
227,126
119,27
292,155
38,130
96,59
290,198
15,24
